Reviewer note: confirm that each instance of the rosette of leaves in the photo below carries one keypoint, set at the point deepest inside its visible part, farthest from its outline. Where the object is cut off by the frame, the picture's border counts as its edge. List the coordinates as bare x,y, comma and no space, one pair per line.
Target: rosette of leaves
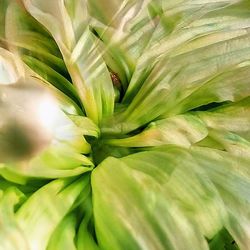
150,143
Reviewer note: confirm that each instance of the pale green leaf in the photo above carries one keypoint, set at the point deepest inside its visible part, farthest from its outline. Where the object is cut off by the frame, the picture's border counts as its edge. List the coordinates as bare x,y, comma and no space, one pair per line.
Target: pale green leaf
138,190
11,235
231,176
55,200
86,126
121,27
234,117
182,130
85,64
195,65
37,49
64,235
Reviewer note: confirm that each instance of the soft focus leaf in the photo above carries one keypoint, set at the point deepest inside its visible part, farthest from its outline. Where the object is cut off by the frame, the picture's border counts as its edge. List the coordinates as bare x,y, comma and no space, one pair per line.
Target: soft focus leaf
232,143
37,49
84,62
203,60
183,130
64,234
11,235
53,164
87,126
232,178
151,99
120,28
137,193
11,176
85,235
39,221
234,117
56,150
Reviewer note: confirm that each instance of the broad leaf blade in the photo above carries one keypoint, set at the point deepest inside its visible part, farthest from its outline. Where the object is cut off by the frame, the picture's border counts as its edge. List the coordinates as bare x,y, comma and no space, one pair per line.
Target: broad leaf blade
39,222
84,62
134,202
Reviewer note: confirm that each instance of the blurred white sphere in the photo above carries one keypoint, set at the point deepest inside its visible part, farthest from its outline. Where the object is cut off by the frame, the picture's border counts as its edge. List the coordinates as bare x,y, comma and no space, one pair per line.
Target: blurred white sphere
28,117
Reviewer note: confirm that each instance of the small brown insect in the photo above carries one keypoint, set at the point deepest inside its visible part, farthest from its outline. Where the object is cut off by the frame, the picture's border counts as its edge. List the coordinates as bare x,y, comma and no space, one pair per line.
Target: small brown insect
115,79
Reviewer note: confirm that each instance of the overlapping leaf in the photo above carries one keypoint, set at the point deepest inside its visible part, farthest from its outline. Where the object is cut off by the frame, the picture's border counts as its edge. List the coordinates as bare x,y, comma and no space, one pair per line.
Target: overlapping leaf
11,235
155,201
172,62
203,60
68,25
55,200
62,157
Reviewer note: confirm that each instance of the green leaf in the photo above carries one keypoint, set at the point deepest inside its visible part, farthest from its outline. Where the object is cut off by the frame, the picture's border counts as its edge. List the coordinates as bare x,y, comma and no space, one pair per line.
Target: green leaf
55,200
133,193
12,176
85,235
52,163
120,28
38,49
11,235
204,60
234,117
231,176
232,143
182,130
84,62
64,235
87,126
167,169
52,76
222,241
